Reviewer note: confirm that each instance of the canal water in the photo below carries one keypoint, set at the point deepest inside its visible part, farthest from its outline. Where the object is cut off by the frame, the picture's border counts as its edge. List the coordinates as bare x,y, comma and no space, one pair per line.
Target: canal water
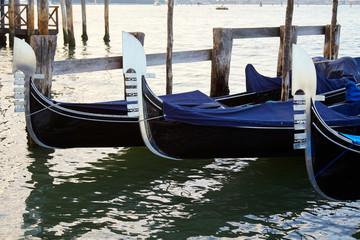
117,193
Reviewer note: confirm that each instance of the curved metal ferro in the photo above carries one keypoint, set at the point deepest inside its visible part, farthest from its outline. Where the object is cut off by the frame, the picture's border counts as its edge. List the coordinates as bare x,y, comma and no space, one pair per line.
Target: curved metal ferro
24,58
134,59
304,91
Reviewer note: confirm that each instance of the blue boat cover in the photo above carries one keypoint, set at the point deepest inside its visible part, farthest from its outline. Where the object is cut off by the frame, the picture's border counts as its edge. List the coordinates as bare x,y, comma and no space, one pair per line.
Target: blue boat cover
271,114
331,75
190,99
354,138
352,93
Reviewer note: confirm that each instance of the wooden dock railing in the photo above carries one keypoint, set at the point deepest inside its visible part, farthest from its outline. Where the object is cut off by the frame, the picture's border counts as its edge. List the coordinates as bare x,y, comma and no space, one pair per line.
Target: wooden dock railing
18,20
220,55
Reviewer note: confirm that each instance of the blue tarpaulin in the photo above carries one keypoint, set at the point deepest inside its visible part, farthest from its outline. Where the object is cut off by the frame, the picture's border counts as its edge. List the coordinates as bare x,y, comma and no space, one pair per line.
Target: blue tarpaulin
331,75
273,114
191,99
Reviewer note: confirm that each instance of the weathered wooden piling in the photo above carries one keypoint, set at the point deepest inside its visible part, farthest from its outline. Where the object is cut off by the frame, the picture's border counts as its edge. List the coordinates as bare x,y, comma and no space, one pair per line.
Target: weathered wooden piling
2,37
64,21
11,22
334,33
169,48
140,36
220,61
44,48
332,41
43,17
106,19
30,20
84,35
285,85
70,23
293,37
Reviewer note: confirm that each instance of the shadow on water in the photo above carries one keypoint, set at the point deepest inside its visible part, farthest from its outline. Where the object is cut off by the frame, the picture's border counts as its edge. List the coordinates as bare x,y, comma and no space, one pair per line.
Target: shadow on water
134,193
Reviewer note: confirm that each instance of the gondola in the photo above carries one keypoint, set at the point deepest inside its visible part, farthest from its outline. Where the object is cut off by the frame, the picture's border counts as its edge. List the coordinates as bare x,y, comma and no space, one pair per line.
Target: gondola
56,124
261,130
332,157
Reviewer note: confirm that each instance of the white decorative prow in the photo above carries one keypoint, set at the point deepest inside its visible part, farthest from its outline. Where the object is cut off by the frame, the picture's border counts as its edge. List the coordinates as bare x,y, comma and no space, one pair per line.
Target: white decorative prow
304,91
24,60
134,67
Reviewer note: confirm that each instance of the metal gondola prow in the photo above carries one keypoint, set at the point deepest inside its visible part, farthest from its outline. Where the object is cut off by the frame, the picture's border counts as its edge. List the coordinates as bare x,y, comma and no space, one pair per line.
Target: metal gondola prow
304,91
134,67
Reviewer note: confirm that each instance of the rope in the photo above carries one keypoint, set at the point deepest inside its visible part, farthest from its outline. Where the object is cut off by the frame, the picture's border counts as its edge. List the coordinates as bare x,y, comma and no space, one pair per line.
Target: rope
42,109
331,162
153,118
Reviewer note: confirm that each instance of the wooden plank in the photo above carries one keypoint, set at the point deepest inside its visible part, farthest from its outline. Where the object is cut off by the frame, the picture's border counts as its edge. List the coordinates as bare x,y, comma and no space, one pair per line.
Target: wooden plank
238,33
110,63
179,57
311,30
87,65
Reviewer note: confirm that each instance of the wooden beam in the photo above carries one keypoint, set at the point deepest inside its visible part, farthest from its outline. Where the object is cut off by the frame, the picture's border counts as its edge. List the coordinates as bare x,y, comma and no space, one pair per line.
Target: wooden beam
74,66
239,33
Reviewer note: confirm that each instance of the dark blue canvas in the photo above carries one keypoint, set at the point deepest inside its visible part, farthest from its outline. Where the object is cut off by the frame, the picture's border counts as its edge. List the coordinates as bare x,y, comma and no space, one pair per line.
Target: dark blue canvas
331,75
193,99
276,114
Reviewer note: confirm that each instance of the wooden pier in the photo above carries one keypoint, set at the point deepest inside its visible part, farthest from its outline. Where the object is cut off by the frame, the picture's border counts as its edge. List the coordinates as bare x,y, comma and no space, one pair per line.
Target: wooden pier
18,20
219,55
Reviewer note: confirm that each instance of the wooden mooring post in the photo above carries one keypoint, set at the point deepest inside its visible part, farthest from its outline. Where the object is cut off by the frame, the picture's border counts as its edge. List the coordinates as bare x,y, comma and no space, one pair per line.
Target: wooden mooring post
220,61
64,21
169,47
106,19
333,34
2,37
70,23
287,43
44,48
84,35
43,17
30,20
222,49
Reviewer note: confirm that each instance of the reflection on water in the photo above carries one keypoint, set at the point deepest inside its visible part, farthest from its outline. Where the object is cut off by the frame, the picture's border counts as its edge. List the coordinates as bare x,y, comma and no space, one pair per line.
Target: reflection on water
134,193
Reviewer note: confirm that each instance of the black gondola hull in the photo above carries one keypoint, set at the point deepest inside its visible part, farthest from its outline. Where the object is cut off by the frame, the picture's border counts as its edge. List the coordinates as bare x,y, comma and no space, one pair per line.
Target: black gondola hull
335,162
